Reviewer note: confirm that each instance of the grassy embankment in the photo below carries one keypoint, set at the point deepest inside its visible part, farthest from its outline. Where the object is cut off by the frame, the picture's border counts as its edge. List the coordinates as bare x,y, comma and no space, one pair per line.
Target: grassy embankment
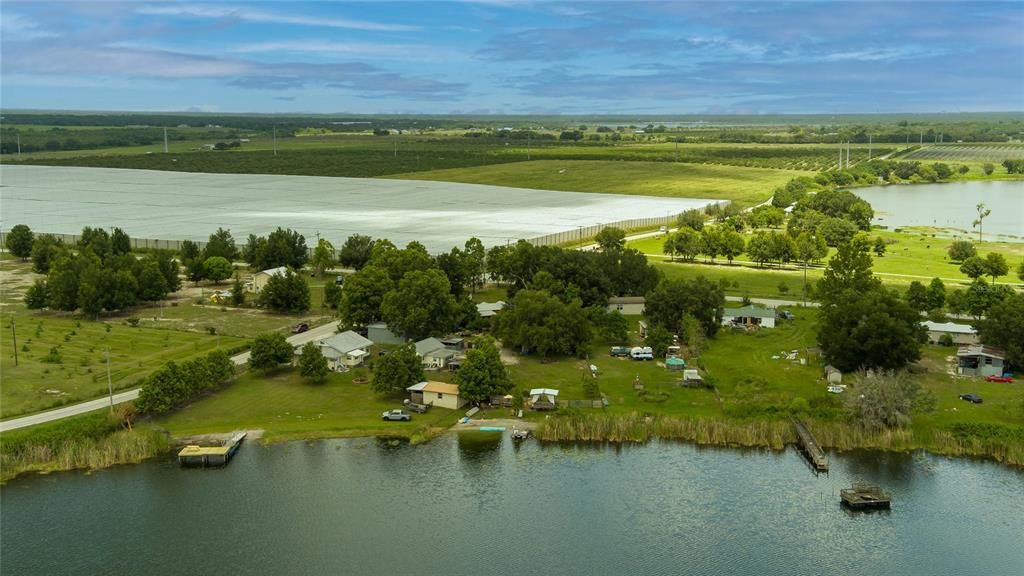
910,255
90,441
744,186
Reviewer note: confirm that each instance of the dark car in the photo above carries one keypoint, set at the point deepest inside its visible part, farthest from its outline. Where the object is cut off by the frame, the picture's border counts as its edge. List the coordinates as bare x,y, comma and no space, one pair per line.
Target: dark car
786,315
300,328
971,398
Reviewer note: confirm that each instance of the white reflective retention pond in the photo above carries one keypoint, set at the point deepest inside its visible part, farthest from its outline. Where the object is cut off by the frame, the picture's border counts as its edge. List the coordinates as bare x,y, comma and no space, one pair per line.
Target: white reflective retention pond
184,205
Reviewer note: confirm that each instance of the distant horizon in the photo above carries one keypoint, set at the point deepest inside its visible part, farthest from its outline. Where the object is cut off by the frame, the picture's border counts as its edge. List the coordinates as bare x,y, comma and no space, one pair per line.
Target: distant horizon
513,57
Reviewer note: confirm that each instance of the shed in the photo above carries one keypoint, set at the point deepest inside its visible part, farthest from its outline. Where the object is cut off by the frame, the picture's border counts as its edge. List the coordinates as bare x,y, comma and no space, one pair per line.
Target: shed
692,378
675,363
438,394
980,360
381,334
962,334
433,353
543,398
260,279
631,305
344,350
751,315
833,376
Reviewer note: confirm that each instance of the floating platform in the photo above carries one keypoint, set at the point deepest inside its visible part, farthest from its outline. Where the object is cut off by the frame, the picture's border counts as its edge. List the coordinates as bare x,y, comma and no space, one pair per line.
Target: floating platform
865,497
492,428
520,433
809,446
192,455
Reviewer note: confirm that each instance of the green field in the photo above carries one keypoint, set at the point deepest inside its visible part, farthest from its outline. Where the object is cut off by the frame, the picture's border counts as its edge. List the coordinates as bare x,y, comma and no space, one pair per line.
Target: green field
285,406
911,255
969,152
745,186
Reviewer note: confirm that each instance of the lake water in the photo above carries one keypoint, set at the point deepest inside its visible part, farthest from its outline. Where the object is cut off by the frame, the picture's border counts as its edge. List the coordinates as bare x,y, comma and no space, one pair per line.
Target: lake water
476,504
950,205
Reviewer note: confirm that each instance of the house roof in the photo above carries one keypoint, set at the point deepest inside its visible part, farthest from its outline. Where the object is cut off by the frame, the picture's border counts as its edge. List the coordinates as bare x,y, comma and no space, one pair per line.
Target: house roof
428,345
346,342
627,300
547,391
750,311
441,388
488,309
980,350
951,327
279,271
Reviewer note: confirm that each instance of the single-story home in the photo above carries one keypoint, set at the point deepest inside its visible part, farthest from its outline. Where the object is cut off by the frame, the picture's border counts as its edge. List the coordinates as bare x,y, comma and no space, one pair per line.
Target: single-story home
631,305
260,279
962,334
543,398
489,309
381,334
437,394
456,343
752,315
980,360
433,353
344,350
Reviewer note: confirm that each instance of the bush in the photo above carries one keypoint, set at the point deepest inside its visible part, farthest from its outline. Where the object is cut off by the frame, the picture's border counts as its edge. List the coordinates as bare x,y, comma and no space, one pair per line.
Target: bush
946,340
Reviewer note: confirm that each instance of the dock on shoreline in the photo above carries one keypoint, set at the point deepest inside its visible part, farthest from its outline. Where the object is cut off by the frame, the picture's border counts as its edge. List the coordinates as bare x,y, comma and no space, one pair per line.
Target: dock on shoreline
193,455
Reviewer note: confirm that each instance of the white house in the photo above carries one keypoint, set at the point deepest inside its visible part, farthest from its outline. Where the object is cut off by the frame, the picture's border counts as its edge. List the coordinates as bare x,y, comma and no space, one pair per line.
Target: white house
630,305
260,279
980,360
751,315
437,394
962,334
343,351
433,353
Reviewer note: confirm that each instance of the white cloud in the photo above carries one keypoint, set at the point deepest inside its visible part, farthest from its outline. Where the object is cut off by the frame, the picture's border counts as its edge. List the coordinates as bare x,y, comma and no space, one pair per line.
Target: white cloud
14,27
247,14
419,52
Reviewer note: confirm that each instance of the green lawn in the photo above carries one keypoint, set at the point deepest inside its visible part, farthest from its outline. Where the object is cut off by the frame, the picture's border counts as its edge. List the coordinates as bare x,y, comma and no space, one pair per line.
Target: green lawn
285,406
745,186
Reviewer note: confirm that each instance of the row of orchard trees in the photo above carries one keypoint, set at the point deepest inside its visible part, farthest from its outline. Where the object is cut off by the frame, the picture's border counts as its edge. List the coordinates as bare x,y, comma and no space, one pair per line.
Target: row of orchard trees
98,274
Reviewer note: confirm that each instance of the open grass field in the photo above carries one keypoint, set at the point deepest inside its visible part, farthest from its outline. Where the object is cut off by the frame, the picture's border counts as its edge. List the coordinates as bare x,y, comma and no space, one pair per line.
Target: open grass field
910,255
745,186
285,407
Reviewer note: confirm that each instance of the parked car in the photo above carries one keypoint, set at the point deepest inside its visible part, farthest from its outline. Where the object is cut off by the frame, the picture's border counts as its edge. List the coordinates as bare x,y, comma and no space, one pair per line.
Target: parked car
786,315
641,353
994,378
339,280
300,328
620,351
663,229
974,398
400,415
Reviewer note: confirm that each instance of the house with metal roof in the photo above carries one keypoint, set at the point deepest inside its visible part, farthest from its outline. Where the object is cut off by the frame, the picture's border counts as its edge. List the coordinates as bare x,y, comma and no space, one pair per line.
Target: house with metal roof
962,334
631,305
438,394
433,353
380,333
980,360
260,279
751,315
343,351
489,309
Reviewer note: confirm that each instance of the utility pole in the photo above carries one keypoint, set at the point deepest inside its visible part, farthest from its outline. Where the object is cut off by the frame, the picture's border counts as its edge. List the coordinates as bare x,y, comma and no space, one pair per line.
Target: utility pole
14,338
921,141
395,139
165,140
19,145
275,140
869,146
110,385
677,150
529,133
840,166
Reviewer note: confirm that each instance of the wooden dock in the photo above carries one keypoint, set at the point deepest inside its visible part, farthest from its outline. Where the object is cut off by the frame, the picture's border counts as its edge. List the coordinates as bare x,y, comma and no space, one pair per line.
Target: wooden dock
865,497
193,455
810,448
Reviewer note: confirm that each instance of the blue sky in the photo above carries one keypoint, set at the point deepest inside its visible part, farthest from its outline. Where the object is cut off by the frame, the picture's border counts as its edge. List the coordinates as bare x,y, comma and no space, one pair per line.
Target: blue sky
514,57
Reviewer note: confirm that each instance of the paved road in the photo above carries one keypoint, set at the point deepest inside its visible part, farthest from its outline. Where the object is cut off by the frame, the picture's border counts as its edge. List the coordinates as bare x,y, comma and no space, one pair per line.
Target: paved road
128,395
771,302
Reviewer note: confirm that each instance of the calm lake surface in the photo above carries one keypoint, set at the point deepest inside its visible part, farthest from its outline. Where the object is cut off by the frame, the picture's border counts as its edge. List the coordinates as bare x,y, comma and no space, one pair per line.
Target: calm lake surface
949,205
477,504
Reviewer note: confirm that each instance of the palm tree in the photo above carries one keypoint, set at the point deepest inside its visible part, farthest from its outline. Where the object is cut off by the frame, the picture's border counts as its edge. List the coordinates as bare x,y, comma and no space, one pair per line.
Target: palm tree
982,213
